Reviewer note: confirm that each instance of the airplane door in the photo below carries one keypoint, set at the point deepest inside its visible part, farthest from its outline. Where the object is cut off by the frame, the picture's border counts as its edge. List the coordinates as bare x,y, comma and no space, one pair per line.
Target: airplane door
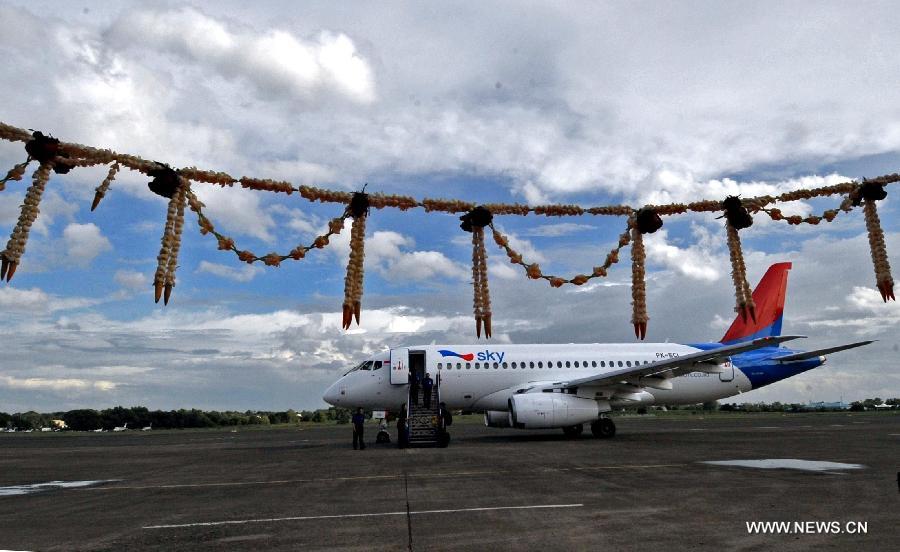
727,373
399,366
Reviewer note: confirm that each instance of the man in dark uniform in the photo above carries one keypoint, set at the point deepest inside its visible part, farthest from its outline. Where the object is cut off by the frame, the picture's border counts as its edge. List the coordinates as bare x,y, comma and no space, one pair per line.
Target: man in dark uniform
427,386
401,427
445,418
358,420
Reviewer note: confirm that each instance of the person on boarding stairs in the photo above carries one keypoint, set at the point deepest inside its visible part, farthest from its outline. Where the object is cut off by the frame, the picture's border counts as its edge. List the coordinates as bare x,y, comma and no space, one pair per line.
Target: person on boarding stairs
427,386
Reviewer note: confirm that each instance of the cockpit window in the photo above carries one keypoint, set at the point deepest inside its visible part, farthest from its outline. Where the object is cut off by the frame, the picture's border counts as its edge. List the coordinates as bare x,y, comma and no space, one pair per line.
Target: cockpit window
377,365
366,365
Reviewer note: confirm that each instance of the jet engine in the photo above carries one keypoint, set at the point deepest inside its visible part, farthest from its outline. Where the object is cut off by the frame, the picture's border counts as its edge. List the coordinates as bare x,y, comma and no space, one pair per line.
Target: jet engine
496,418
549,410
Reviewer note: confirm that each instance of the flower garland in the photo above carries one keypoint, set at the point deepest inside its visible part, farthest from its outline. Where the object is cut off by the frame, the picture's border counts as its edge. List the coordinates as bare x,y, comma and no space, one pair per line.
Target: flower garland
533,270
639,316
101,190
16,173
167,260
474,221
175,184
15,247
226,243
353,282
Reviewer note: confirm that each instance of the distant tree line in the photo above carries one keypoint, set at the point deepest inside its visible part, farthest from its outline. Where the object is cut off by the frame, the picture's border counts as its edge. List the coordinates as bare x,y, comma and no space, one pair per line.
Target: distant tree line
138,417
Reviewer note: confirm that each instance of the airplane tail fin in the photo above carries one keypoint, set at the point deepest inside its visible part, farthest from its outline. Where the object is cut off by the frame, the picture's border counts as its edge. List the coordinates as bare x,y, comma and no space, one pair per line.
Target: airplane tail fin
769,299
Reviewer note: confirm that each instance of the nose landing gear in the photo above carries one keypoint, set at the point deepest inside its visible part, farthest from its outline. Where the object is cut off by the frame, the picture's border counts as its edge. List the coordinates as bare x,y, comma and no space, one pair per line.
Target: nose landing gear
604,428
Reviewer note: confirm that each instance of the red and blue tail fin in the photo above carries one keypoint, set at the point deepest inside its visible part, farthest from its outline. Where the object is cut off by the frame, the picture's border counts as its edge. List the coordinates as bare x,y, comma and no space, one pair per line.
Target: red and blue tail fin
769,299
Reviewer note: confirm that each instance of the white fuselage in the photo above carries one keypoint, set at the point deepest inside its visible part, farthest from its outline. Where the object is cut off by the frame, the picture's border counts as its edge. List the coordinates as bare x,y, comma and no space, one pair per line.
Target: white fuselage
495,373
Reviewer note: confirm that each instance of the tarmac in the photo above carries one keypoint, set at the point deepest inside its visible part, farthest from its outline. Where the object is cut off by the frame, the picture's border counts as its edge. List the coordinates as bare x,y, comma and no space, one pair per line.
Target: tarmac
492,489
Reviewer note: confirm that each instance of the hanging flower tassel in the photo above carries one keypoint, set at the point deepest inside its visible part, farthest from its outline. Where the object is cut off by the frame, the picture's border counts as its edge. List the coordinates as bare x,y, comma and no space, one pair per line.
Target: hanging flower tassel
638,285
15,247
167,183
100,192
870,192
474,221
15,173
737,218
172,264
353,282
645,221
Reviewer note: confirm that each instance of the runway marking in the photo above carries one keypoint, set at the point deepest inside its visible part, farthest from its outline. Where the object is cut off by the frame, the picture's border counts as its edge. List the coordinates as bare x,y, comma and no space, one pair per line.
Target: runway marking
368,477
767,427
371,514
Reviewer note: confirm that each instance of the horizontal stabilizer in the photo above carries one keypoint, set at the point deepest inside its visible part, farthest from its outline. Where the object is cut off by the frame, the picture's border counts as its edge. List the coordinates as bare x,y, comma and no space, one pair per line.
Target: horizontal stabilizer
813,354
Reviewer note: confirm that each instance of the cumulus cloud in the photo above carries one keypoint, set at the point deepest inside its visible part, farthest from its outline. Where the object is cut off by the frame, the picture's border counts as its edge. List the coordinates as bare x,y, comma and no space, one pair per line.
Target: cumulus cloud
698,260
36,301
84,242
391,255
132,280
243,273
273,61
57,384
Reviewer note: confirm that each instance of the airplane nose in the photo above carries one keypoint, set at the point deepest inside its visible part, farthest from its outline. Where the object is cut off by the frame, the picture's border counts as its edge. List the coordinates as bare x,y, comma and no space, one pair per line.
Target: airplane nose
331,395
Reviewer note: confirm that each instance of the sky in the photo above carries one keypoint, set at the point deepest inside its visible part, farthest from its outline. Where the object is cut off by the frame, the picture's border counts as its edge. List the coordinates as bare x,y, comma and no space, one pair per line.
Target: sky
536,102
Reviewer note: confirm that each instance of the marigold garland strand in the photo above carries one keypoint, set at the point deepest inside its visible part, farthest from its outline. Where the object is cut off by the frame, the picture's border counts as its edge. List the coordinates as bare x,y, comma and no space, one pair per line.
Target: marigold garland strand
353,282
101,190
883,279
15,247
61,157
743,298
639,317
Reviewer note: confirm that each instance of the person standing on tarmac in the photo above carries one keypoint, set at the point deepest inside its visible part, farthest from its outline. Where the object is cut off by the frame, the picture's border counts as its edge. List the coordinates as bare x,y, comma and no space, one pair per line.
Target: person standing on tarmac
401,427
427,386
358,420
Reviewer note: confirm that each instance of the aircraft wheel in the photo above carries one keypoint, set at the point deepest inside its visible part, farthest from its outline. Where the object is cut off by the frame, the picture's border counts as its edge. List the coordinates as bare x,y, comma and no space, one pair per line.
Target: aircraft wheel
604,428
573,431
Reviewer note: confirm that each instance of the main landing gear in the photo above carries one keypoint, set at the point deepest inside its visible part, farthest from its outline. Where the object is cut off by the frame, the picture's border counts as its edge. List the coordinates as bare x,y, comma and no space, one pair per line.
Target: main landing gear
604,428
573,431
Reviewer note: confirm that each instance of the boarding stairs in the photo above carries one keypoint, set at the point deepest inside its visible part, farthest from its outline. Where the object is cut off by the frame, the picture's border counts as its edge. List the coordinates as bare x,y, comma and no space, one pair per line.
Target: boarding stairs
423,424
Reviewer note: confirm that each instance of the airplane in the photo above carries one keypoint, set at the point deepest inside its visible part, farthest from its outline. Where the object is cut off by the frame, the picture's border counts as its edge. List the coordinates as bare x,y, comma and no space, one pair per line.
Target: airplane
146,428
122,428
98,430
567,386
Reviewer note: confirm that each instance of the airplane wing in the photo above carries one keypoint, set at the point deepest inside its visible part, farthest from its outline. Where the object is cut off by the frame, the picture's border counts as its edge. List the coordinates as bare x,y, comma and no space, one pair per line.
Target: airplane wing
677,366
813,354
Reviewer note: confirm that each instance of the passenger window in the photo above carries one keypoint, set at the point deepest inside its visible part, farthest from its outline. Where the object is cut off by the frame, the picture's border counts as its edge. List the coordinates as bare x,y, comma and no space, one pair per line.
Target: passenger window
628,363
496,366
531,364
459,365
477,365
593,364
540,364
439,365
576,364
620,364
558,364
514,365
468,366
